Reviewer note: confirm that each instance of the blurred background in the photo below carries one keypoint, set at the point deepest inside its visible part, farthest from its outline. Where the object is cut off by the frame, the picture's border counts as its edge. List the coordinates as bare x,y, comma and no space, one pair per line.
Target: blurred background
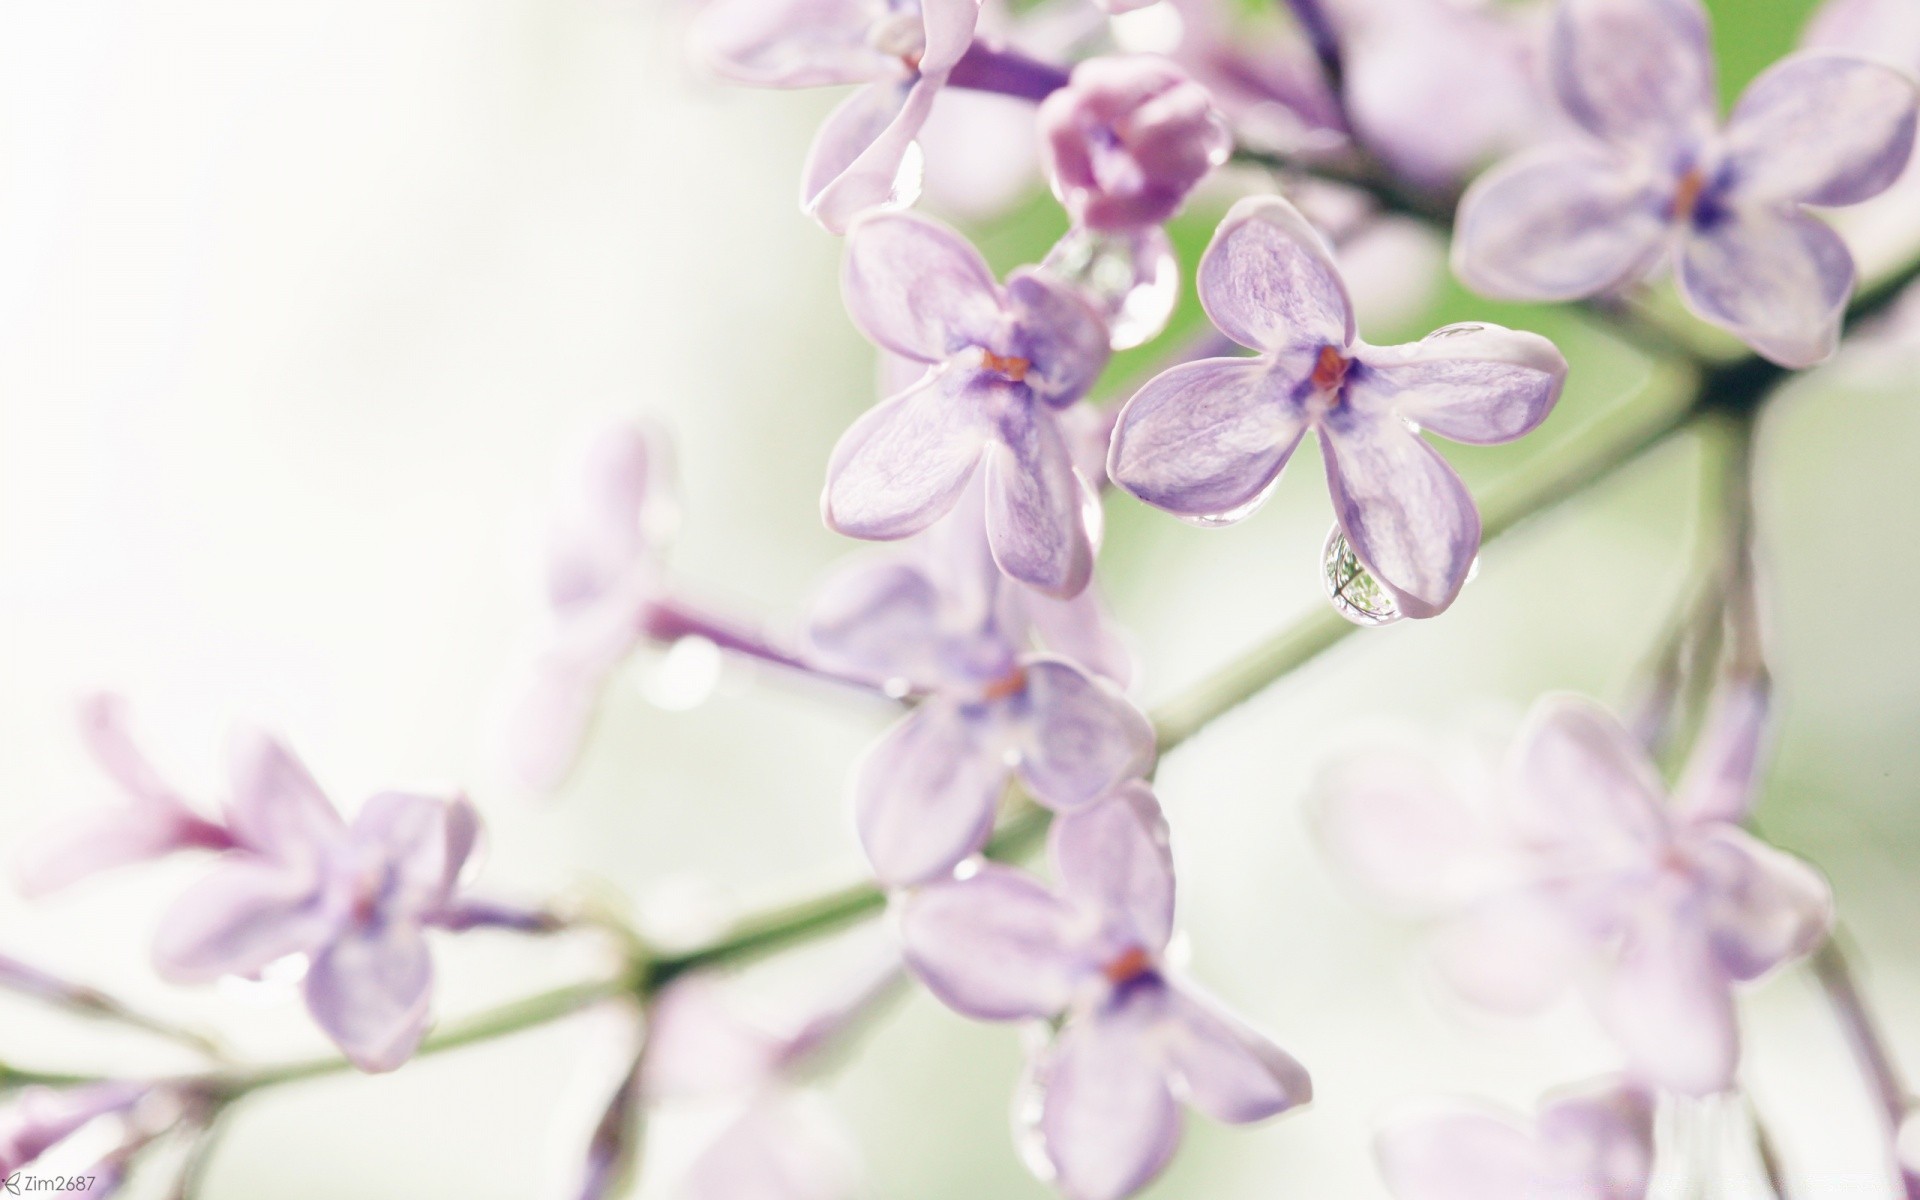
304,305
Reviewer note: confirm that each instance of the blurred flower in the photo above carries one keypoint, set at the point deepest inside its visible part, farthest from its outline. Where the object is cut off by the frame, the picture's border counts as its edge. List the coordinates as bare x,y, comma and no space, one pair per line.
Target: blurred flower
154,820
1887,226
864,154
1655,177
1593,1143
1008,360
940,621
37,1118
1207,440
998,945
1587,872
356,900
1127,139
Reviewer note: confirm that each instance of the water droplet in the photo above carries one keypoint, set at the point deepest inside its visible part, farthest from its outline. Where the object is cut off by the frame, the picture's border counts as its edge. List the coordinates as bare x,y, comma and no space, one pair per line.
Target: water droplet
907,181
1458,329
1130,278
685,676
1355,593
897,688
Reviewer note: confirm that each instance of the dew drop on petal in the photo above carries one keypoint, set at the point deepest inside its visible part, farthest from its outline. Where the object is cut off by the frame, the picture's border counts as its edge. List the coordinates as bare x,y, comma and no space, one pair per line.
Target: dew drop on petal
685,676
1132,279
1355,593
1455,330
897,688
907,180
1029,1101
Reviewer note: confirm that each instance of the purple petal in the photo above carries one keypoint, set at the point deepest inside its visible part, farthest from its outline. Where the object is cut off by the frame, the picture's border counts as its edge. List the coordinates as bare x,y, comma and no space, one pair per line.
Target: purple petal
699,1046
918,288
860,158
878,619
1557,223
1207,440
1081,631
105,729
1584,785
949,29
1113,857
1227,1070
1778,281
37,1118
1668,1004
1404,510
781,1148
1037,504
418,844
1479,384
1722,770
996,946
1108,1123
86,843
1063,339
244,915
1512,953
550,707
1634,70
1080,737
1268,280
1765,907
1461,1153
1603,1136
789,43
276,808
615,514
903,465
926,793
369,991
1819,128
1394,822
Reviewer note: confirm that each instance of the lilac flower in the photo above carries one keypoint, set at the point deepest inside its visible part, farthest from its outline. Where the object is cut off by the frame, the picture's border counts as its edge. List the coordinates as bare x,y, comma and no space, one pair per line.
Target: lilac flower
1884,228
1007,361
1207,440
1000,946
943,623
1593,1143
605,575
153,821
1655,178
864,155
356,900
1587,872
36,1119
1128,139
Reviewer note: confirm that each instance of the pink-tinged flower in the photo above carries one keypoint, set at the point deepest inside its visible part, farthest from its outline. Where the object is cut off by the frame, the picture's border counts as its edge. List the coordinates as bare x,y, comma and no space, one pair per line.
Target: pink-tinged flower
605,573
356,900
1127,139
36,1119
940,622
1207,440
1585,871
151,821
864,155
1885,228
1006,362
999,945
1591,1143
1655,179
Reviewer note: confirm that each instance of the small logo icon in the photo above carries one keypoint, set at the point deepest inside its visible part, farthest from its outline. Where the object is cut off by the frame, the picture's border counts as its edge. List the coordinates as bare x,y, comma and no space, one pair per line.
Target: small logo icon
12,1184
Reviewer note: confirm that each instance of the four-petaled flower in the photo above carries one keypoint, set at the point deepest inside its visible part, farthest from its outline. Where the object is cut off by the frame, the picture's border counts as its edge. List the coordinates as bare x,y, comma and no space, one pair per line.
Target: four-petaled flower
1207,440
1587,872
1005,363
1657,178
357,900
998,945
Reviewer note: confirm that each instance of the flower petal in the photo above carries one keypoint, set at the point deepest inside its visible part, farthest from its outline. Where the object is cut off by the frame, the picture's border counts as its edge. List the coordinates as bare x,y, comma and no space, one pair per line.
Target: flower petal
1227,1070
903,464
1668,1004
86,843
698,1046
926,793
610,526
370,991
996,946
1723,767
949,28
918,288
863,156
1765,906
1634,70
1404,510
1063,339
1394,822
1479,384
1269,282
1512,952
1207,440
1037,502
878,619
1819,128
1080,737
783,1147
1557,223
549,709
1456,1152
420,844
1778,281
1113,857
245,914
1108,1123
276,808
1584,786
788,43
1079,630
1602,1136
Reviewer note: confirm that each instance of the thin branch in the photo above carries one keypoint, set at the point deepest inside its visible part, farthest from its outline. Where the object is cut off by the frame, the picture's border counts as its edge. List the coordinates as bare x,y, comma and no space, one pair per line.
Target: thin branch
1868,1042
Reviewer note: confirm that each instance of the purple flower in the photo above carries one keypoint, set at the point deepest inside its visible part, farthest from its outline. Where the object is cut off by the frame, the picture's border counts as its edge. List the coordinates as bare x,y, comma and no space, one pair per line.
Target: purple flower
1127,139
604,574
1207,440
1000,946
1883,230
356,900
153,821
1592,1143
943,624
1005,362
864,155
36,1119
1655,177
1586,871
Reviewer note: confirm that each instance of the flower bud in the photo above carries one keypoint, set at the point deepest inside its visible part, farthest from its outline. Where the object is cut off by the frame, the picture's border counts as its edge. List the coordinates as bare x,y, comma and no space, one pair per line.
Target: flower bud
1127,139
